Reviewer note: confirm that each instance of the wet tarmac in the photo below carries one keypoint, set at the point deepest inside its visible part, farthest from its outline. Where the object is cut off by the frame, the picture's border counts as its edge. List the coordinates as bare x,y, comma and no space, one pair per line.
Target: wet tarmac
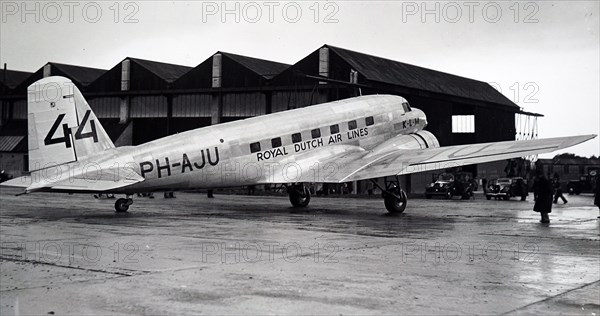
71,254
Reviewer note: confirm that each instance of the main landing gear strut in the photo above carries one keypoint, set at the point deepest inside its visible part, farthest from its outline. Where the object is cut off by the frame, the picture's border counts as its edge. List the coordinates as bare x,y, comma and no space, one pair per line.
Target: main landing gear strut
299,195
122,205
394,197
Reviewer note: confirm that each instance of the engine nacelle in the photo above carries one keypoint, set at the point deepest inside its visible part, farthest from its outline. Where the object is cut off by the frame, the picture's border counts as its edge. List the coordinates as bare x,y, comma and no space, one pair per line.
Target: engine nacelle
425,139
418,140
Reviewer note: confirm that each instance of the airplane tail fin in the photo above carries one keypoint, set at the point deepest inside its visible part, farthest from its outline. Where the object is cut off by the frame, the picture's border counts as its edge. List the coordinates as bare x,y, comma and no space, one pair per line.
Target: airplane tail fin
62,127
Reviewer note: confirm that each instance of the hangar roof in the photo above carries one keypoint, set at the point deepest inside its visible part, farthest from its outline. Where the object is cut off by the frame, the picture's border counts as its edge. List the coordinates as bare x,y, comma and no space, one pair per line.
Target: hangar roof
265,68
145,75
13,77
397,73
237,71
167,72
82,75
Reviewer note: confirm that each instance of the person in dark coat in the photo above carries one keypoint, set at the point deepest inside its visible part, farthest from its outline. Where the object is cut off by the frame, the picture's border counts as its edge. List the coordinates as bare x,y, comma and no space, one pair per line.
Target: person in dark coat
542,192
484,183
558,190
597,193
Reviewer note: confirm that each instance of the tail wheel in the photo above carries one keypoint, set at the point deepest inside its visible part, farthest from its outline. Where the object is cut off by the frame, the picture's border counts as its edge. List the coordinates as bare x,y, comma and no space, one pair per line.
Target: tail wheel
122,205
395,204
448,195
299,195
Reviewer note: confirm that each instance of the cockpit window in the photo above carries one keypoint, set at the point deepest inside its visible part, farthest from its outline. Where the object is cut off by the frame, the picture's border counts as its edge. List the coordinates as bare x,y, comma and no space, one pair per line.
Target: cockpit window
406,107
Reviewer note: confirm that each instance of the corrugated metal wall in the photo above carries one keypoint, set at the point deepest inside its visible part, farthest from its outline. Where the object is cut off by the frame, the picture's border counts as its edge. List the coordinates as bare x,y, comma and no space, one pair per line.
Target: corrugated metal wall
20,110
192,105
148,106
282,101
244,104
148,129
106,107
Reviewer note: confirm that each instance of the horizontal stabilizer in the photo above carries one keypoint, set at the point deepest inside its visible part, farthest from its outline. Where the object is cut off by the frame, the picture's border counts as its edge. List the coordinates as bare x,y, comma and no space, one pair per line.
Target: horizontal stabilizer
109,179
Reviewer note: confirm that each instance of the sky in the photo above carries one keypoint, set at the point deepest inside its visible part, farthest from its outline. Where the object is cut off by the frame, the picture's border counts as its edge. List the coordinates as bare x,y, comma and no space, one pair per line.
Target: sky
543,55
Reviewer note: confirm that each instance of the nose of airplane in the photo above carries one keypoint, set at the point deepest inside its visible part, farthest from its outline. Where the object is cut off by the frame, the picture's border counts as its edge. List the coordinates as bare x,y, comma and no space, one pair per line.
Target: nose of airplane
421,115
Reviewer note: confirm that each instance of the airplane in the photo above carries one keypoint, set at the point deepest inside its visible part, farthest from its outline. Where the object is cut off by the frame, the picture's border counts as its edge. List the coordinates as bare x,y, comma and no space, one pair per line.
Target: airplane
360,138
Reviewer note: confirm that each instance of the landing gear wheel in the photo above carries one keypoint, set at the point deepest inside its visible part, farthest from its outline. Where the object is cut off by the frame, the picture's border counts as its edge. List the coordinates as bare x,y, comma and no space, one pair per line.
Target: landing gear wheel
299,195
523,197
122,205
489,197
394,197
395,204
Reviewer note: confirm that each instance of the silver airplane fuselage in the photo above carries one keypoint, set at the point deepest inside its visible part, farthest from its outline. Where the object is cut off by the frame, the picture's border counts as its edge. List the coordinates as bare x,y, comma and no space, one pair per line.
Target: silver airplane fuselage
221,155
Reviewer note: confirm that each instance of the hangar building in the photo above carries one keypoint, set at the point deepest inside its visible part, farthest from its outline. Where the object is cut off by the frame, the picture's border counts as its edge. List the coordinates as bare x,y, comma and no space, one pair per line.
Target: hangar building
140,100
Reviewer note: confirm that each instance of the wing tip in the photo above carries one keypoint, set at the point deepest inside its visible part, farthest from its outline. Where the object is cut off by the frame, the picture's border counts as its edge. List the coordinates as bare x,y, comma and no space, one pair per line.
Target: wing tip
576,140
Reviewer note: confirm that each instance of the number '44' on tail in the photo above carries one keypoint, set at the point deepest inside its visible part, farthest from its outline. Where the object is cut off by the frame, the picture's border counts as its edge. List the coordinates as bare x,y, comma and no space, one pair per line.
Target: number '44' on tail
61,125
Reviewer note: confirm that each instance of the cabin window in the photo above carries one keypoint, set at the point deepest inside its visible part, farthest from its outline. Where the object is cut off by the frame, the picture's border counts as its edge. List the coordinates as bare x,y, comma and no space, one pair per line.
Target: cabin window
334,129
352,125
406,107
369,121
276,142
316,133
296,138
254,147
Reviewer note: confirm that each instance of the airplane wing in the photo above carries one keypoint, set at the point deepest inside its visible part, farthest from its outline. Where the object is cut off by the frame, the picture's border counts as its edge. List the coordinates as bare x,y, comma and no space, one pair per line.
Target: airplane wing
351,163
401,162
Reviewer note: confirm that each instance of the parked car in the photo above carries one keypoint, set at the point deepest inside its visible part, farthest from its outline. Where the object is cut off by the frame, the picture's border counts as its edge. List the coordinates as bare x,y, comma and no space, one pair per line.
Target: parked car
583,185
4,176
448,185
505,188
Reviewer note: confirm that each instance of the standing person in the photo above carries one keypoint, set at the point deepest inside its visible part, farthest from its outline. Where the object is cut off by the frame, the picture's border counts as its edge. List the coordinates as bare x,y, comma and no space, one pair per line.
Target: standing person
484,183
597,193
558,190
542,192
